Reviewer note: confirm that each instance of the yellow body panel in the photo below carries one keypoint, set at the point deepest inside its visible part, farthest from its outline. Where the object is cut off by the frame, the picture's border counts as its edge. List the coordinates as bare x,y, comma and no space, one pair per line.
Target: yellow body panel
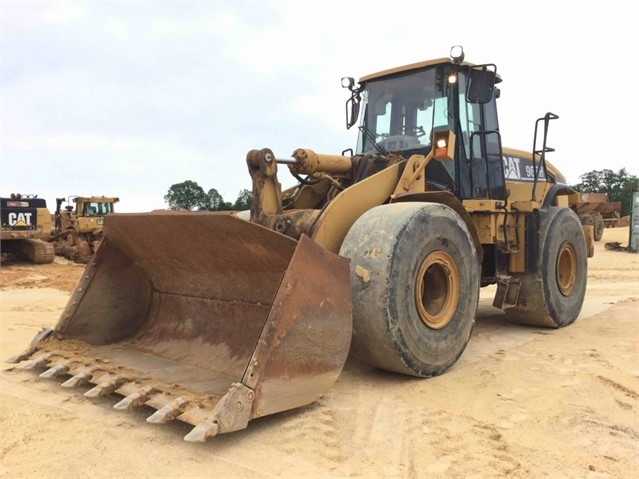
485,227
350,204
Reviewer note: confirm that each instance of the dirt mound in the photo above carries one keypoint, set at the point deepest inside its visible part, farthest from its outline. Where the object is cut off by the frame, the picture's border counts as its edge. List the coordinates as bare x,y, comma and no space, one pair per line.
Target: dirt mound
61,274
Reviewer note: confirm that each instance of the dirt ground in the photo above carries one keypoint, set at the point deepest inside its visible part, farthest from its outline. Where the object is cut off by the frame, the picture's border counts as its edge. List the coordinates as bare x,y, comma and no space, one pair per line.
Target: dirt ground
521,402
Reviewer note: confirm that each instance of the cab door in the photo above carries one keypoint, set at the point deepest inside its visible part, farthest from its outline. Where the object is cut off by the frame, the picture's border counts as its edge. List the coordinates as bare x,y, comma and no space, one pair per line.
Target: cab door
481,150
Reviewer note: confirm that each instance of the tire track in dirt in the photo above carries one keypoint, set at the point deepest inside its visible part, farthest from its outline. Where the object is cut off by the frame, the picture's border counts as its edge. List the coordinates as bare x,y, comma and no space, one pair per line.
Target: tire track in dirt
462,443
316,425
618,387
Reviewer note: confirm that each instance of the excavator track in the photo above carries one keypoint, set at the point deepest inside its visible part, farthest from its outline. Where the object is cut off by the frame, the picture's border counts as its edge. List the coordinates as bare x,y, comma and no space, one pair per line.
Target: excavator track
29,249
39,252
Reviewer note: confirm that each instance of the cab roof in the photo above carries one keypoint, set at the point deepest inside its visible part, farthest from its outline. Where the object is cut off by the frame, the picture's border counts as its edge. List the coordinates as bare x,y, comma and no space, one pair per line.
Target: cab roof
414,66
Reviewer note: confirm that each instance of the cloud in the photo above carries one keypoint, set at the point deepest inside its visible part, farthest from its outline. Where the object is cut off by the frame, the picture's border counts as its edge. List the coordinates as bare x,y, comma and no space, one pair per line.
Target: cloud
61,13
64,143
119,30
132,97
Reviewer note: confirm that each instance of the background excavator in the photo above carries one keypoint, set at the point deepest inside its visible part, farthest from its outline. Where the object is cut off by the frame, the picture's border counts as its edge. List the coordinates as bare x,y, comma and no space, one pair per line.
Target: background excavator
78,231
215,319
26,228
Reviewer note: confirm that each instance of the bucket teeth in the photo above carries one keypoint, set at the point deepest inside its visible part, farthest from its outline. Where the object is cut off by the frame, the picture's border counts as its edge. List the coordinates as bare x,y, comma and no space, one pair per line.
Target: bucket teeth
135,399
202,432
77,380
42,334
105,387
16,358
168,412
57,370
37,362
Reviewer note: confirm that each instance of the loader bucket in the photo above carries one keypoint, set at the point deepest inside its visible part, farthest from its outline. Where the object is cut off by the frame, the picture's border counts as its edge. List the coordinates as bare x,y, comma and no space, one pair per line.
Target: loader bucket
208,318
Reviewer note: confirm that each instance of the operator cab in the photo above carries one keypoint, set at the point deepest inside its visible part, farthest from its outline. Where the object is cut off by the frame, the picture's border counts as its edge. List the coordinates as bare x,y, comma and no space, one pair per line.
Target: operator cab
403,107
97,208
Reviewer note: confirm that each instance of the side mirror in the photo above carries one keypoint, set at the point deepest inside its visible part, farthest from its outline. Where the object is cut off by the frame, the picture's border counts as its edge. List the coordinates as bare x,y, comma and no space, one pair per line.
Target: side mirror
352,110
352,104
481,83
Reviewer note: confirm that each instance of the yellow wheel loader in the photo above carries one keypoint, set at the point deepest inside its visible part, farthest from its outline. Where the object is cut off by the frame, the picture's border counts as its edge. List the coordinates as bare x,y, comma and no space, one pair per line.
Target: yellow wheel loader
78,231
381,251
26,228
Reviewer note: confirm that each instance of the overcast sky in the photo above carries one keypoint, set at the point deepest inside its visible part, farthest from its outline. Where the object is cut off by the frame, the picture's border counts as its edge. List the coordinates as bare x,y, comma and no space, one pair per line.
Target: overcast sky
127,98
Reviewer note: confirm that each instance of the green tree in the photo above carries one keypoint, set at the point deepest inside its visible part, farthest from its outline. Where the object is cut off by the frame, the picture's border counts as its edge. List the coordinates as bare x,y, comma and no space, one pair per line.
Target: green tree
618,186
187,195
243,201
215,200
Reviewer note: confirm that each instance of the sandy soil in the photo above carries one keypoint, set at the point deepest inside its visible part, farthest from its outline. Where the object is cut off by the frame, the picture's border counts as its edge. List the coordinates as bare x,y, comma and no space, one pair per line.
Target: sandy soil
520,403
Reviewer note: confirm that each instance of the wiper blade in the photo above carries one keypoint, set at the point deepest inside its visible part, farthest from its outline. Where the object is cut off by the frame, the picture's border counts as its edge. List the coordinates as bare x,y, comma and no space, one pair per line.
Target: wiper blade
371,137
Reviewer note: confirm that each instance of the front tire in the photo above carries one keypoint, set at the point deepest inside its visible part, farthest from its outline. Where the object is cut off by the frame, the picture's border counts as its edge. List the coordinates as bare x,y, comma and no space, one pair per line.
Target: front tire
415,287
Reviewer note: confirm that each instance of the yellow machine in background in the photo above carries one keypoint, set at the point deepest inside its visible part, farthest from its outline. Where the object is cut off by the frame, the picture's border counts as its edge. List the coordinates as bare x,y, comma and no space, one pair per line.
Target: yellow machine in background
26,228
78,231
595,209
215,319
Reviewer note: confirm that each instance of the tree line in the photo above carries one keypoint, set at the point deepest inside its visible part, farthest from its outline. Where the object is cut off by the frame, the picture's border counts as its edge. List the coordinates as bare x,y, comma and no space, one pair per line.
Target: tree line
618,186
188,195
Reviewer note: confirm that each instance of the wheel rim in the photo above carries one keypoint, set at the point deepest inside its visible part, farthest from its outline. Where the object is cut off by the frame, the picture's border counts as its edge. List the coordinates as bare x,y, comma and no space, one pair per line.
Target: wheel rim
566,268
437,290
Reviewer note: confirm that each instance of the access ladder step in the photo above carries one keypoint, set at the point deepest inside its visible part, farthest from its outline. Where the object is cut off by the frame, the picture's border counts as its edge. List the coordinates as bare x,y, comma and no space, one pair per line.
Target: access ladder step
507,294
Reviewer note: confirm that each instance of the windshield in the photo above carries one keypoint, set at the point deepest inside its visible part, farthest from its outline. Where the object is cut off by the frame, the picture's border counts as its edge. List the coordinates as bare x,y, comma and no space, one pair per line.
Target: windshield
401,112
97,209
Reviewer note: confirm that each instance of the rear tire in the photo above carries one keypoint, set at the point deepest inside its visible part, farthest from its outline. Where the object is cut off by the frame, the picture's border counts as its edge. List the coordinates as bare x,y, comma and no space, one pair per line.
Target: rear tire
598,226
553,295
415,287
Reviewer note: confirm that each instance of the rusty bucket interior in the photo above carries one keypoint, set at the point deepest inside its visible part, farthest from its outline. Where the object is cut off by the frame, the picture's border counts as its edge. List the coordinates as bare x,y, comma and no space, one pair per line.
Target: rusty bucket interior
215,318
